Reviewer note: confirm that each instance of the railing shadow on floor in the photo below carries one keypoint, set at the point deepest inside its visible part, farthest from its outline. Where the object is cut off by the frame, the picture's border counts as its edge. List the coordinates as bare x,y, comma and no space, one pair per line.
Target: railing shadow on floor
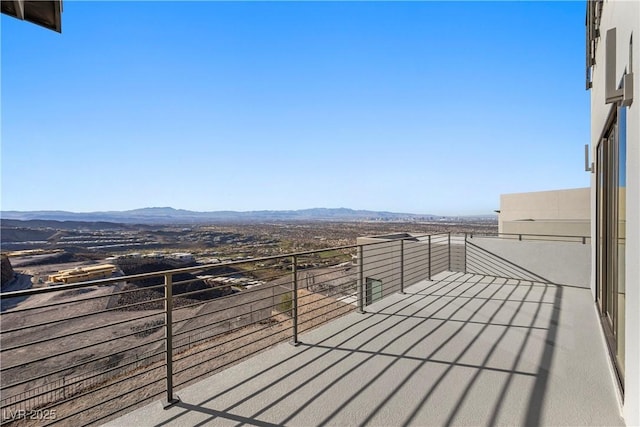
402,263
433,303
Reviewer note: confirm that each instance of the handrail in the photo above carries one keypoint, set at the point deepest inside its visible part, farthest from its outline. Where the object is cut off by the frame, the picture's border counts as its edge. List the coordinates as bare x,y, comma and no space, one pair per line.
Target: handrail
528,234
181,336
74,368
161,273
549,237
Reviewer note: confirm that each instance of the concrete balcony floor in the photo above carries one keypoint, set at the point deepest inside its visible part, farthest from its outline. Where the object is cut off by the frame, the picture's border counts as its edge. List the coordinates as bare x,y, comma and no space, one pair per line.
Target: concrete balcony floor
461,349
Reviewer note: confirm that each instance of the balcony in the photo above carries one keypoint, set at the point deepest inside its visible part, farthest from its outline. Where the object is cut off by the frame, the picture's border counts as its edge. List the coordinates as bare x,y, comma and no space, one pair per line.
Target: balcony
419,330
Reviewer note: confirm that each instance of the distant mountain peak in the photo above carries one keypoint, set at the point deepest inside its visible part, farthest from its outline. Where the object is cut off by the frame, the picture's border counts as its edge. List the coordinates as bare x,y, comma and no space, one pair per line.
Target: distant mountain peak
155,209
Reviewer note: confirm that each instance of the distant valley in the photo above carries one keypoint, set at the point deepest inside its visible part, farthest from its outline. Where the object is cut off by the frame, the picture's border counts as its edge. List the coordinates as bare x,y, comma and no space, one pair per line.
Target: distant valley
168,215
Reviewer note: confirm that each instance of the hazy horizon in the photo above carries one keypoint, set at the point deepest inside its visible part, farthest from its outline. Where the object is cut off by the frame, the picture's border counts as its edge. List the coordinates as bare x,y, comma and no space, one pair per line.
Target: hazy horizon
247,211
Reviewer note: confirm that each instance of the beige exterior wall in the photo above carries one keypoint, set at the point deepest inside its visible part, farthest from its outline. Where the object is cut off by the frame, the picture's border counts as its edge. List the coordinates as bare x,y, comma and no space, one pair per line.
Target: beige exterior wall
558,212
622,15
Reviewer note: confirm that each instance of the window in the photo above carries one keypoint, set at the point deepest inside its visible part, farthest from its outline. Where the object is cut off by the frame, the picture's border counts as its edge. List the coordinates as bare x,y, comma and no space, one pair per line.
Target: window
373,290
611,161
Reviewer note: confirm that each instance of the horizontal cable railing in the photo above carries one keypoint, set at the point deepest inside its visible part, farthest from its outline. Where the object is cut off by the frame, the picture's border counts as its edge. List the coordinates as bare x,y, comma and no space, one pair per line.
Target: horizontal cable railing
83,353
482,256
529,236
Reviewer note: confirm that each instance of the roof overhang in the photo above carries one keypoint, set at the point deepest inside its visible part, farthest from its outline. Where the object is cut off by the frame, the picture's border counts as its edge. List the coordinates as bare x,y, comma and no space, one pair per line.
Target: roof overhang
46,13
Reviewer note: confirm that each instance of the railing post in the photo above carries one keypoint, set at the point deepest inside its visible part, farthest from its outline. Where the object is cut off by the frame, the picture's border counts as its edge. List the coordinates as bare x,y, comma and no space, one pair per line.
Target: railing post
429,256
294,300
402,266
465,253
519,236
584,240
449,244
168,335
360,279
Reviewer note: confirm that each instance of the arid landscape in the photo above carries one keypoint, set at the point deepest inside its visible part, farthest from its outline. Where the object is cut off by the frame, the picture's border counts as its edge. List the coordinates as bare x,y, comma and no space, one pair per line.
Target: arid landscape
114,334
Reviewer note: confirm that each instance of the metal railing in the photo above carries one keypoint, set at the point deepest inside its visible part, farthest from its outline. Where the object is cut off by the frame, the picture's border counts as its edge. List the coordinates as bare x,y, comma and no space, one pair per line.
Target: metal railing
530,236
84,353
515,261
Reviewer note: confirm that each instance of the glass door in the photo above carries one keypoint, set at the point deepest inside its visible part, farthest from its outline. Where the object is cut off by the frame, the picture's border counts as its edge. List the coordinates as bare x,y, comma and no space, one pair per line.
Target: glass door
610,235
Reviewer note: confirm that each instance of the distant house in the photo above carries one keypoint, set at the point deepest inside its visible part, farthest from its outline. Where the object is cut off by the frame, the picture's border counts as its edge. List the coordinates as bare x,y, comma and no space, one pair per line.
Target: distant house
183,257
83,274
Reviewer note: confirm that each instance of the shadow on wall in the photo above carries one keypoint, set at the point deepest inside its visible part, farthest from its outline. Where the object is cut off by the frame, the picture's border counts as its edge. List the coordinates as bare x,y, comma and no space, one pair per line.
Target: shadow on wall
481,261
567,263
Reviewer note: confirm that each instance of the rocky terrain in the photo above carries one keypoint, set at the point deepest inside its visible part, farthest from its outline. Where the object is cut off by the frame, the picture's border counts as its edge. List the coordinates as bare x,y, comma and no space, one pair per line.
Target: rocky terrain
146,293
6,270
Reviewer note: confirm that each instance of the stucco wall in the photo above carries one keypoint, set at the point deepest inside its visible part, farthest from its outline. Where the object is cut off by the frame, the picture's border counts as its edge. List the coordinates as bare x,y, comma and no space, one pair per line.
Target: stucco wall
548,227
553,212
623,15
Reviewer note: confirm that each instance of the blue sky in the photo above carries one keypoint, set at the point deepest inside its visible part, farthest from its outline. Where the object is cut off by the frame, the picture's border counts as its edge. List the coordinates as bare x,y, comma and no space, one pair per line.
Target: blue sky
421,107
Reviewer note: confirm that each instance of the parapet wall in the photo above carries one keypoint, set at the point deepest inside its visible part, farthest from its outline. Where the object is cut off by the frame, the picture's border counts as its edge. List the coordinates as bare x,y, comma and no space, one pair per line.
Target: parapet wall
558,212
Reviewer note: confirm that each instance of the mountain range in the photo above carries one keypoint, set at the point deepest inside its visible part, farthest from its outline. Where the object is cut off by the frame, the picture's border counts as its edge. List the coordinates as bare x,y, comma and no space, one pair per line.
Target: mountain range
165,215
